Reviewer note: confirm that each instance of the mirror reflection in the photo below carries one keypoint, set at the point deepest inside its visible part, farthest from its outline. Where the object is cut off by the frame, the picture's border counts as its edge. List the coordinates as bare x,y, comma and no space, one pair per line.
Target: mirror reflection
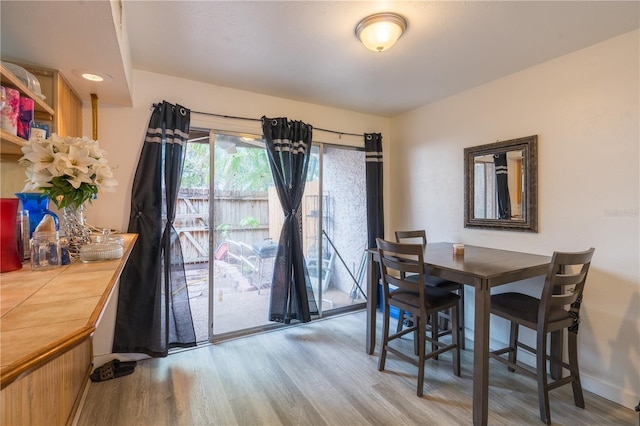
501,183
498,188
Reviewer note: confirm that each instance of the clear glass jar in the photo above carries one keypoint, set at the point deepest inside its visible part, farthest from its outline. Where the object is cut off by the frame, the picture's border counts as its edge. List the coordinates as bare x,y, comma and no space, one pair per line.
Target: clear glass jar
45,250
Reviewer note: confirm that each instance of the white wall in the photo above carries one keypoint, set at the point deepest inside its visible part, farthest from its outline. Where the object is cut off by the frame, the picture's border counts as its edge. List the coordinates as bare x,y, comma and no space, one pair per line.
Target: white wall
584,107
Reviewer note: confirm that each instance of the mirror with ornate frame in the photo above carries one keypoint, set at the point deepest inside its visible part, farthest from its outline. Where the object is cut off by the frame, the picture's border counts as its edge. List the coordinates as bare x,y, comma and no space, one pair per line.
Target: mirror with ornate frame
501,185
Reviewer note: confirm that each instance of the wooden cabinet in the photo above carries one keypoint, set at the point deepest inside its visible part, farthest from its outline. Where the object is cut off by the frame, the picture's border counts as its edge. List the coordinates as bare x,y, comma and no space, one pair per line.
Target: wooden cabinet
62,108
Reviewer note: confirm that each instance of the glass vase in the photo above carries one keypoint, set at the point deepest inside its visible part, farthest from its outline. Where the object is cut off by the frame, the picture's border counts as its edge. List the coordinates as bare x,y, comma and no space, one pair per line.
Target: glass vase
76,230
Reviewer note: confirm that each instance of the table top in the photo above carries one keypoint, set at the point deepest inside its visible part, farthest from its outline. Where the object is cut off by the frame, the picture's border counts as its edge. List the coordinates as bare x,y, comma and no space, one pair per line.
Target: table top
482,261
495,265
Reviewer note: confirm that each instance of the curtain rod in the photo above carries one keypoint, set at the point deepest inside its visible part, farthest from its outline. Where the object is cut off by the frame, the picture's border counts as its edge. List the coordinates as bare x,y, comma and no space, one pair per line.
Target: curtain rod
259,119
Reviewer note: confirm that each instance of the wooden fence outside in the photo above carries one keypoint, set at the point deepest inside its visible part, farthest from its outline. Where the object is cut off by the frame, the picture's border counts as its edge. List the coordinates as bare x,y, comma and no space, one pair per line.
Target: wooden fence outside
239,217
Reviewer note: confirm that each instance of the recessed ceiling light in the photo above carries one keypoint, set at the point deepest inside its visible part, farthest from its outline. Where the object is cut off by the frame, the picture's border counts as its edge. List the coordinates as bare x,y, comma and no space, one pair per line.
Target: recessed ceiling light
91,75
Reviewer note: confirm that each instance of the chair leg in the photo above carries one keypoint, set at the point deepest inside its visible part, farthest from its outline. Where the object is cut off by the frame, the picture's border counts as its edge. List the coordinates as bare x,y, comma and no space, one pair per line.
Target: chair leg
434,332
400,321
385,338
422,333
513,344
444,321
416,340
572,340
541,366
455,336
461,318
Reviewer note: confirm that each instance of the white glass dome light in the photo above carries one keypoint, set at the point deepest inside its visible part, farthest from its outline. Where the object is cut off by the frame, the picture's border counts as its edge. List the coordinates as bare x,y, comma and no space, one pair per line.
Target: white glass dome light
380,31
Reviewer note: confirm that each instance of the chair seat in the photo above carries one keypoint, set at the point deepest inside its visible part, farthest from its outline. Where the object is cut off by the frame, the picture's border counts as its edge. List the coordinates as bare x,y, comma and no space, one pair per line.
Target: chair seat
432,281
442,283
435,298
523,307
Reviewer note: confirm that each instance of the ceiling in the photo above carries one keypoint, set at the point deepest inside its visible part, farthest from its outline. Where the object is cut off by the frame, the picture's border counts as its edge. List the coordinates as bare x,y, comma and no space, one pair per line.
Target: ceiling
305,50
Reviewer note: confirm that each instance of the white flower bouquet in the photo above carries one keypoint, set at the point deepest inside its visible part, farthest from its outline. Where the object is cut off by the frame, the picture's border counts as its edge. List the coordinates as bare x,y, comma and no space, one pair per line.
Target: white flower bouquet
70,170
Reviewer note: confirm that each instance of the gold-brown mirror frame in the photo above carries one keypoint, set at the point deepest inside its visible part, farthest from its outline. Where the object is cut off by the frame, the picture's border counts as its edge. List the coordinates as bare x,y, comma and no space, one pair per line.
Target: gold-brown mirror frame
529,147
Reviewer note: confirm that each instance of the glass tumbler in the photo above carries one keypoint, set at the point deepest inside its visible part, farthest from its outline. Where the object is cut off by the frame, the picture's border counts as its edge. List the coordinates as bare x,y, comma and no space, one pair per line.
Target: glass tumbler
45,250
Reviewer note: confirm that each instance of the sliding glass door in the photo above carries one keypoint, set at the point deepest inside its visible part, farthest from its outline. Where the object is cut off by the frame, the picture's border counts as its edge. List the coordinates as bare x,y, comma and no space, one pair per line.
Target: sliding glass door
334,224
229,217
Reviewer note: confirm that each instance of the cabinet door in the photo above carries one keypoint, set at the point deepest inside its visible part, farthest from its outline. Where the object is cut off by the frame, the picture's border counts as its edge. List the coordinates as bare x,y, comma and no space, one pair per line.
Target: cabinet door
69,111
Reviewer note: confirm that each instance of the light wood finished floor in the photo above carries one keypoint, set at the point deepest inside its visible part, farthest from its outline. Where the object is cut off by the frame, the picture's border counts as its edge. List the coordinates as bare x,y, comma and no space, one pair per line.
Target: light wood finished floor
319,374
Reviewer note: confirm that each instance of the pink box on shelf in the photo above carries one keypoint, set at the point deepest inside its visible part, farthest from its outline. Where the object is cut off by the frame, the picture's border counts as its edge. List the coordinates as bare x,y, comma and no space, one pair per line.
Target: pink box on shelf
26,118
10,112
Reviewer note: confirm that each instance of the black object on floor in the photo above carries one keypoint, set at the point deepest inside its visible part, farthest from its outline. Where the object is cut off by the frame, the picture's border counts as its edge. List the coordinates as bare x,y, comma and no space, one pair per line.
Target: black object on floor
112,370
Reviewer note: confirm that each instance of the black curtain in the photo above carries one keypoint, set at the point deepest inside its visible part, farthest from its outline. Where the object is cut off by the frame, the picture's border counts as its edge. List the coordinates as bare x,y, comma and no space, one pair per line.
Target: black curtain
502,186
375,211
288,148
153,303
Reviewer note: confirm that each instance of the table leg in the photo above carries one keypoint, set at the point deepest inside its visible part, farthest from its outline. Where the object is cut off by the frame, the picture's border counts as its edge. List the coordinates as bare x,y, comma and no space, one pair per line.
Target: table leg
372,303
481,353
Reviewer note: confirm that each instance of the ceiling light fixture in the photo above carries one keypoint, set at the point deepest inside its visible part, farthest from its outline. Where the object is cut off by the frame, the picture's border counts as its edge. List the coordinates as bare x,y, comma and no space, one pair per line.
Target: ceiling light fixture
90,75
380,31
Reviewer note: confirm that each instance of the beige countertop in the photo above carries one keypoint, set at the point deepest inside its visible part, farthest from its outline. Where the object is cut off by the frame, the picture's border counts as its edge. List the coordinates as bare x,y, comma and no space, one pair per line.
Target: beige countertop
41,312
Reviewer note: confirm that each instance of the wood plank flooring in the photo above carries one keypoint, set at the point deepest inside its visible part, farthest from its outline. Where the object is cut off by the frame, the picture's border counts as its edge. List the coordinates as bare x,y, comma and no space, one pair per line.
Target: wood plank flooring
319,374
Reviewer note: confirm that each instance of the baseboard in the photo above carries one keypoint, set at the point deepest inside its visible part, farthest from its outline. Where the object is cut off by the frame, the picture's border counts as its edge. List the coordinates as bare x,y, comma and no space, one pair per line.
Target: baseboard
624,397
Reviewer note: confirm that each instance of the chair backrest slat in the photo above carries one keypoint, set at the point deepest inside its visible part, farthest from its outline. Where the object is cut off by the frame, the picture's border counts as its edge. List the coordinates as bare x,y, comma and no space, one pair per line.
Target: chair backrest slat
412,237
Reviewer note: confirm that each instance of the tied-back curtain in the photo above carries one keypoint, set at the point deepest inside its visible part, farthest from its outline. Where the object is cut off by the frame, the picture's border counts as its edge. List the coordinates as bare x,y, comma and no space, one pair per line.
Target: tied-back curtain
375,211
153,303
288,149
502,186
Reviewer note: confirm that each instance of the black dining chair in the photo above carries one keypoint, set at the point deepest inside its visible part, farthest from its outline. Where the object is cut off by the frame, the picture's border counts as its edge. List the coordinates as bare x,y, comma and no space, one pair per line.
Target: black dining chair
420,237
397,263
558,308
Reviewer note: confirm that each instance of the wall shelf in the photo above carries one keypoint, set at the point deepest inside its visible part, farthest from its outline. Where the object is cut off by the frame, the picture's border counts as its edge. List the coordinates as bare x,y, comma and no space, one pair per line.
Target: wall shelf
10,144
10,80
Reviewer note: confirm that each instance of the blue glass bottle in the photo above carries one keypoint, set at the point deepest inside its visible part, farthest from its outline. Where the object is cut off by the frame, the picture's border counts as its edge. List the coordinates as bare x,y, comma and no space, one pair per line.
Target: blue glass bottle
36,203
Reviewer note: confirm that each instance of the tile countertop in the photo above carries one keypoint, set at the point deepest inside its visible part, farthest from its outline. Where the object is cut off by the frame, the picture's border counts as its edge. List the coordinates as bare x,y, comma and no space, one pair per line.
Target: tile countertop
41,310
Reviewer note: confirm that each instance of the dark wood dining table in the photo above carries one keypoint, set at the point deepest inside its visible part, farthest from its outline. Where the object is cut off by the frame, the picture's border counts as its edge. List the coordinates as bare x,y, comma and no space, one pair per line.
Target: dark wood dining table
482,268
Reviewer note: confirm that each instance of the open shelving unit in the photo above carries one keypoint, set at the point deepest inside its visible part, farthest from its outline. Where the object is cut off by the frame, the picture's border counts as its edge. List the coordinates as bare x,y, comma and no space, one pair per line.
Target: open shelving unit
11,144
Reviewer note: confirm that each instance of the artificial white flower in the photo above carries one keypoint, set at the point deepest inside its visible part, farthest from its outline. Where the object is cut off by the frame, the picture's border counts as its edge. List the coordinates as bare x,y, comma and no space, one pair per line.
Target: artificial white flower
41,155
70,170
